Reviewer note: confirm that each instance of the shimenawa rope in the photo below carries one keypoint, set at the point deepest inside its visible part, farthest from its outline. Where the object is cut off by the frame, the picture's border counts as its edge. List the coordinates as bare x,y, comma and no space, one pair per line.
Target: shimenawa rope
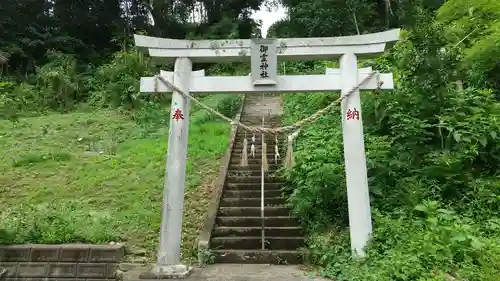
273,131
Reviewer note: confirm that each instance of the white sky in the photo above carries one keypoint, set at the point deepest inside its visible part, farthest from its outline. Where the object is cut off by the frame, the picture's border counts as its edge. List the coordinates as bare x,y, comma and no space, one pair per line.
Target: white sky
268,18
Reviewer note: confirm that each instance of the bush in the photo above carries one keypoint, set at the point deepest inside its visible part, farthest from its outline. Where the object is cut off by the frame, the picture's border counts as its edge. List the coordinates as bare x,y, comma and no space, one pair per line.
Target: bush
428,244
19,100
56,86
58,83
116,83
428,144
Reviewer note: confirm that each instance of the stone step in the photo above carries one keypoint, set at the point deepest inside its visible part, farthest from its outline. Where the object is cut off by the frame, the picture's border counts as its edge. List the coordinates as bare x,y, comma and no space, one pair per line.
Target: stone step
258,151
235,165
257,221
251,202
259,125
238,147
257,173
255,242
258,154
258,144
253,186
258,118
241,172
290,231
252,179
253,167
237,160
281,257
253,211
257,121
251,193
258,138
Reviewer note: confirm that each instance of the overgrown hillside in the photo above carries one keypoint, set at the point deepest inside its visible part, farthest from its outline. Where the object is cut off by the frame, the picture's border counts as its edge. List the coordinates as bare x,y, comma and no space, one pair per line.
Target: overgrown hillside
433,153
84,156
97,177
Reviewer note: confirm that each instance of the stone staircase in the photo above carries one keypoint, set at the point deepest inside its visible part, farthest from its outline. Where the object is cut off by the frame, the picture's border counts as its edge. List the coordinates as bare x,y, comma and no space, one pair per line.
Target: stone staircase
237,235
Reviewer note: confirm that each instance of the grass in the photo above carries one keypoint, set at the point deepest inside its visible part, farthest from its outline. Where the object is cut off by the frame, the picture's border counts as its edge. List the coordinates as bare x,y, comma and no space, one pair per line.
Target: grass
97,177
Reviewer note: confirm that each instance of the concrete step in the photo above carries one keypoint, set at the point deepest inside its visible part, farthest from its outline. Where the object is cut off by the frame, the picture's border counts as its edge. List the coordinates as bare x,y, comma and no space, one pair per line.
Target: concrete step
257,221
256,172
236,159
281,257
251,160
258,143
269,211
251,202
270,139
258,119
248,115
253,186
258,116
253,167
238,147
259,134
253,173
255,242
258,123
290,231
236,155
258,154
251,193
253,179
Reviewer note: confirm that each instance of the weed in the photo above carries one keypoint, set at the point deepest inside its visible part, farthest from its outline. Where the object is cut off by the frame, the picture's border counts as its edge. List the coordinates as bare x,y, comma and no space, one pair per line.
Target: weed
207,256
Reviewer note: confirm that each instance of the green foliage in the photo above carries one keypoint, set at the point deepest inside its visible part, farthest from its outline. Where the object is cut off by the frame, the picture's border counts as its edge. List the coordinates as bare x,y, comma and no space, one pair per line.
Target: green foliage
58,82
432,156
475,27
429,243
116,83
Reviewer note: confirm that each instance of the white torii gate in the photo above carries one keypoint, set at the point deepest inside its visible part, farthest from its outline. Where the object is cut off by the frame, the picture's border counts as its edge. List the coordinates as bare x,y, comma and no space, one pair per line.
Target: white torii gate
185,52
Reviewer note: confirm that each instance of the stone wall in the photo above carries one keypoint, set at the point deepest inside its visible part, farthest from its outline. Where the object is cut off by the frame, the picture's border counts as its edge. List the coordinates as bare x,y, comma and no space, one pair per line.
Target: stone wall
69,262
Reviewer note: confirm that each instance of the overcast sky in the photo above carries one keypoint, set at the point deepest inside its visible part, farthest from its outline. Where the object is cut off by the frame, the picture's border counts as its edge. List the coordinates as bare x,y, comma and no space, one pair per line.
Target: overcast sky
268,18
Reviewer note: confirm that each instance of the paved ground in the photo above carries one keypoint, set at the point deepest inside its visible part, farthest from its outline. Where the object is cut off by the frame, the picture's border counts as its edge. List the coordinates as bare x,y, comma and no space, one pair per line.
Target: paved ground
242,272
250,272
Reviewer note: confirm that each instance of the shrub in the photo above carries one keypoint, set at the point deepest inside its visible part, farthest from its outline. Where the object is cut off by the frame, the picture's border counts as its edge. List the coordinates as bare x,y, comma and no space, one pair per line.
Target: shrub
116,83
428,144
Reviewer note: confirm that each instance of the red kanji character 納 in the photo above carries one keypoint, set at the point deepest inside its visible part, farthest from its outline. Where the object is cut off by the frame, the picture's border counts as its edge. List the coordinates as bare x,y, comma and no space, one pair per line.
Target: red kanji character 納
352,114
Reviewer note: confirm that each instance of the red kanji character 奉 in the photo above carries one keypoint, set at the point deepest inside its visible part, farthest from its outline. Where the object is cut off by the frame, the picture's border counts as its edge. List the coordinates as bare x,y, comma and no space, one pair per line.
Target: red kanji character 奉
178,115
352,114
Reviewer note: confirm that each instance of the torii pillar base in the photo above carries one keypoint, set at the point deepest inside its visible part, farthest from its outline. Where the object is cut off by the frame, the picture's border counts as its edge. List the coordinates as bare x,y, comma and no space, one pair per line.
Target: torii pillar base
179,271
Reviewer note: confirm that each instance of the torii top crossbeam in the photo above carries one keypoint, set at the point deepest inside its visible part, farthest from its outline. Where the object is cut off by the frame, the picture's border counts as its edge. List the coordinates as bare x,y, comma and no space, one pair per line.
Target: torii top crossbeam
319,48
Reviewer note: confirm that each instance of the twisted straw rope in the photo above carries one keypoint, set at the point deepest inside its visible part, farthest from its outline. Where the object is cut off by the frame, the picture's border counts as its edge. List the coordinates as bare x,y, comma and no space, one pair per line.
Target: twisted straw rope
273,131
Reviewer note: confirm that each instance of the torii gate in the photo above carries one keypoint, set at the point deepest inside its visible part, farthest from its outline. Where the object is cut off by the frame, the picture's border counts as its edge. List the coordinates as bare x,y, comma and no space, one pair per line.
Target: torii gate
264,78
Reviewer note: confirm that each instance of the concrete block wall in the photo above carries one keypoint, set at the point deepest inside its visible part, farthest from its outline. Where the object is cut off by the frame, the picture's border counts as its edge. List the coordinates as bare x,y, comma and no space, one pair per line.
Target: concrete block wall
69,262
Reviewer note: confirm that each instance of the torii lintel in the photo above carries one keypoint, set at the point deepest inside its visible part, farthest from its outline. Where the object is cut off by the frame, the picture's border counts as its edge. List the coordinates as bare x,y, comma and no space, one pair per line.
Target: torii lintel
366,45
